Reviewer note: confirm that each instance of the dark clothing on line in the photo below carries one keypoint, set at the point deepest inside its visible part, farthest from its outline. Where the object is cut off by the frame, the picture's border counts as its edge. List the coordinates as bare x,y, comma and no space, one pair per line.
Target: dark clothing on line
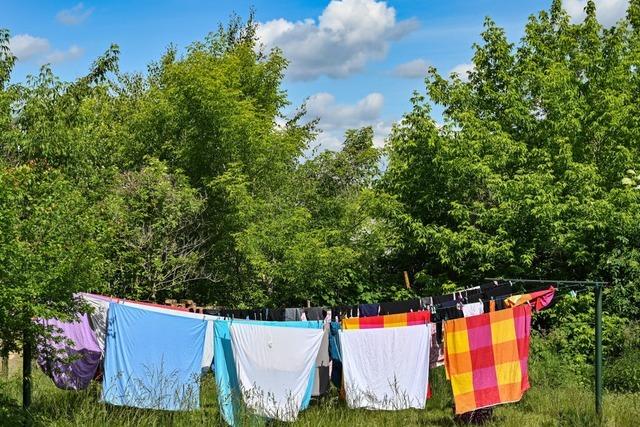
315,313
399,307
367,310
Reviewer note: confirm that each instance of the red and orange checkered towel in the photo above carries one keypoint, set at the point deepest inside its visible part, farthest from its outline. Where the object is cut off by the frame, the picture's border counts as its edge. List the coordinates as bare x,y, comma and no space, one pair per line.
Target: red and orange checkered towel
486,357
388,321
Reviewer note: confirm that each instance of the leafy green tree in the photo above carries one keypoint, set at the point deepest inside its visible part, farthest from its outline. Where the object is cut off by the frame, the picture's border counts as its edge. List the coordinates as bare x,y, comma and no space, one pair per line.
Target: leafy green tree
317,240
153,239
531,172
215,113
46,250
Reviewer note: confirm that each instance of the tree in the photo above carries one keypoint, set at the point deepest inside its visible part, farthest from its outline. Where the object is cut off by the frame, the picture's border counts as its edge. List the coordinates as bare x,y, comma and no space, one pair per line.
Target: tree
215,114
318,238
46,251
528,174
155,242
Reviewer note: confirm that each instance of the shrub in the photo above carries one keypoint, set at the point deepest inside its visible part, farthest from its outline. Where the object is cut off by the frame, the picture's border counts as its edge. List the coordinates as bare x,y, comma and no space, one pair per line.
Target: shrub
623,373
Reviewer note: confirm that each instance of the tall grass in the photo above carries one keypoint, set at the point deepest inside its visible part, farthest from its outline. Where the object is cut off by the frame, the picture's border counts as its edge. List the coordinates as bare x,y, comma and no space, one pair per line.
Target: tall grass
555,399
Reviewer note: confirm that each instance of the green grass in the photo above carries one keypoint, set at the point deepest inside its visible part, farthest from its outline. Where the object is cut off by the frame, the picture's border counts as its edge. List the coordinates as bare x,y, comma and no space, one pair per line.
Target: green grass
555,399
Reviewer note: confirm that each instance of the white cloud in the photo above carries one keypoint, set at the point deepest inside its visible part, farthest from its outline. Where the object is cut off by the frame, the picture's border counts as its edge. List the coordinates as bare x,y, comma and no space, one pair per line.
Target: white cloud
462,70
26,47
336,118
58,56
324,106
74,16
347,35
412,69
608,12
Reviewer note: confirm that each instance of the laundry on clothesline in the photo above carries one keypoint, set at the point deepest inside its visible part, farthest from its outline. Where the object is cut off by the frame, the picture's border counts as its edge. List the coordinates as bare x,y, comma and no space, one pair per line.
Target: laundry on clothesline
230,396
71,354
273,366
378,354
486,357
540,299
388,321
153,359
386,368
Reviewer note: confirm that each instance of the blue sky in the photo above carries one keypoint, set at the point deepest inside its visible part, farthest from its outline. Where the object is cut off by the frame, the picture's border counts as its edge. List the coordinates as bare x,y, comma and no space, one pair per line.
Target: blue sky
356,61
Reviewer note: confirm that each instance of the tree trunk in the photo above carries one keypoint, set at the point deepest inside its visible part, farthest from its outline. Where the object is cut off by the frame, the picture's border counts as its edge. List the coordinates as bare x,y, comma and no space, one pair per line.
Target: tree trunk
26,372
4,365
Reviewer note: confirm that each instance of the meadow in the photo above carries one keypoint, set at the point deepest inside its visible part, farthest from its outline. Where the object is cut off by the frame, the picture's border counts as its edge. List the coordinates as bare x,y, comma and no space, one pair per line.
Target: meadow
557,397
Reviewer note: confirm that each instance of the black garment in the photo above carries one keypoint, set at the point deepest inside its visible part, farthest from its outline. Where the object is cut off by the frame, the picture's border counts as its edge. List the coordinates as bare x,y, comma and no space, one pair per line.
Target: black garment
398,307
498,294
499,304
276,314
485,286
497,291
367,310
336,374
486,307
439,299
315,313
447,311
472,295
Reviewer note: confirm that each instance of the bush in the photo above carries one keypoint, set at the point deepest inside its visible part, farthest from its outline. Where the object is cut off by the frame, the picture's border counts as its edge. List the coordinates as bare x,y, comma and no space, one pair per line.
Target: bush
623,374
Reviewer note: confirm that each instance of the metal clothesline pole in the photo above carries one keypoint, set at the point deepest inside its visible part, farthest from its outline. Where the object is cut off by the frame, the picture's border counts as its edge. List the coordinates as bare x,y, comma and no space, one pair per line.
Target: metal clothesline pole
597,286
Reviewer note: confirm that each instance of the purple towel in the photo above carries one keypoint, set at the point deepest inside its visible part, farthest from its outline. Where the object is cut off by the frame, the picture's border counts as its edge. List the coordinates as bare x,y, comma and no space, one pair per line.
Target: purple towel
73,365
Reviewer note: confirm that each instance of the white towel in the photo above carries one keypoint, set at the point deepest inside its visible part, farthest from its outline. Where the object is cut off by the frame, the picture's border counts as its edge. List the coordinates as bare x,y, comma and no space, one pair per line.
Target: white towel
273,365
386,368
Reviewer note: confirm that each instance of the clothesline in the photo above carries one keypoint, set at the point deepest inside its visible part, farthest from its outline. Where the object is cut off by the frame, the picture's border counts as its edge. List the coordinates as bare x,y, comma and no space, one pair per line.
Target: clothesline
242,313
153,357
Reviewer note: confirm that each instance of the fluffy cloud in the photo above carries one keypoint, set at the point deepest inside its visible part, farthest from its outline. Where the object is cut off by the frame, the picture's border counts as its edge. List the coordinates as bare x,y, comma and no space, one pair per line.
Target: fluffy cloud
462,70
27,47
74,16
58,56
412,69
324,106
347,35
336,118
608,12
